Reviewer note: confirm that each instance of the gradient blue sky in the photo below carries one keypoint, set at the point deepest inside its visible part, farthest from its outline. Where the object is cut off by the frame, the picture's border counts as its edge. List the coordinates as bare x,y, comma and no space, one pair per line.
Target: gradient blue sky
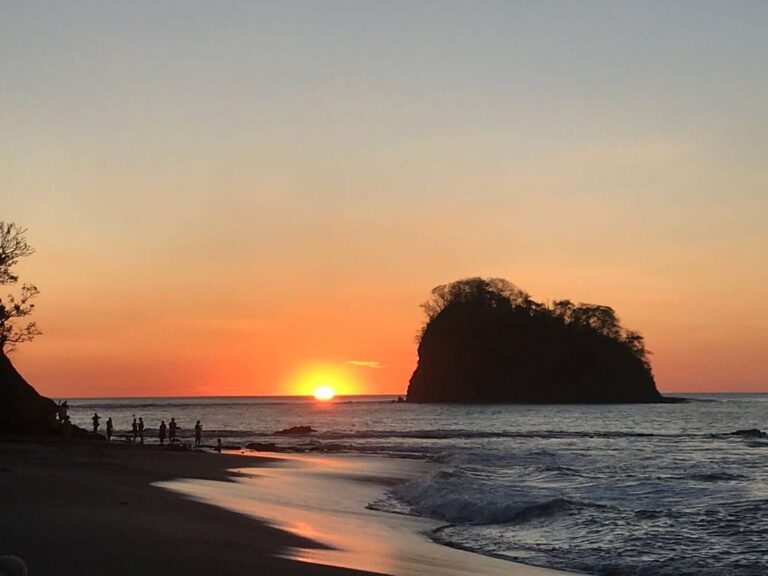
228,195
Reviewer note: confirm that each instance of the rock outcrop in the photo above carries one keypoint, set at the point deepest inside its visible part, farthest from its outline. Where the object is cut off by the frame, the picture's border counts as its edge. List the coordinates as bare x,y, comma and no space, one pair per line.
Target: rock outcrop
22,409
296,431
487,341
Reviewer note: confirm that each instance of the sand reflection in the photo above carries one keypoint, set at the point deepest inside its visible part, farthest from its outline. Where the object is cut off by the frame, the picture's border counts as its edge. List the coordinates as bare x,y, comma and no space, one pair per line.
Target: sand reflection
323,500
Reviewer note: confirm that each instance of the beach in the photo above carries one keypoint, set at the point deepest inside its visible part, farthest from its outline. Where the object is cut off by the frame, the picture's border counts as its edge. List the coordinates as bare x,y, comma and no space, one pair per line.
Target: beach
95,508
333,500
89,508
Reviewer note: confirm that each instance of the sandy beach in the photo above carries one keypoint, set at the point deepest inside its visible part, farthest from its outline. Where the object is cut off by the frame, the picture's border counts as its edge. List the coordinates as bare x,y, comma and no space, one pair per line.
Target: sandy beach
93,508
327,499
90,509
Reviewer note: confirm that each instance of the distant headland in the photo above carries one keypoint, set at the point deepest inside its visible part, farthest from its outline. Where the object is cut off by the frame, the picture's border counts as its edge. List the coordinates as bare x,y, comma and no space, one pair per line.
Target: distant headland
487,341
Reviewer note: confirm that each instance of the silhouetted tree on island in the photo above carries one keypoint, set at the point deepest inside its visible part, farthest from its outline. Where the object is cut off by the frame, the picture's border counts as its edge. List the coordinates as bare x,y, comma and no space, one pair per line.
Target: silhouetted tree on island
22,409
486,340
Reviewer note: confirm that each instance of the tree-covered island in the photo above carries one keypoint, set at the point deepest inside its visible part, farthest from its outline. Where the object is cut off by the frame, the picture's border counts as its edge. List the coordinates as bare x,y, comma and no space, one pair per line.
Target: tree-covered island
485,341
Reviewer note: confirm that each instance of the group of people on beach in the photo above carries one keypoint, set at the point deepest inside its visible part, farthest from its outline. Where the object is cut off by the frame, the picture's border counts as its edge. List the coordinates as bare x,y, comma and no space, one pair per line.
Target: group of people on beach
137,430
164,431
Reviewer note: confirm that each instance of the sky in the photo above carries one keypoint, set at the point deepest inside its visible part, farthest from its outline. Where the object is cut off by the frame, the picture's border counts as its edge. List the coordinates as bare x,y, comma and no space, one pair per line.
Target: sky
250,197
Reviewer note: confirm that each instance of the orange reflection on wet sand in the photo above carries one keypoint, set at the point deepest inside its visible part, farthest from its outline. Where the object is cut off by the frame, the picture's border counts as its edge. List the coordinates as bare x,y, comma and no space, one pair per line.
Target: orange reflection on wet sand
324,500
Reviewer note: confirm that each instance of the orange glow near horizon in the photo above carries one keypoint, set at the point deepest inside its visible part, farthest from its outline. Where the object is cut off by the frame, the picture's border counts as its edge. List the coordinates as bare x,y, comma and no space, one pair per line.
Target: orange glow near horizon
324,383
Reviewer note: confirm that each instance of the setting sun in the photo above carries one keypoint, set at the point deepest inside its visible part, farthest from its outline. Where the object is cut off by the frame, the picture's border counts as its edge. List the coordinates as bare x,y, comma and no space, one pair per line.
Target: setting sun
324,393
324,382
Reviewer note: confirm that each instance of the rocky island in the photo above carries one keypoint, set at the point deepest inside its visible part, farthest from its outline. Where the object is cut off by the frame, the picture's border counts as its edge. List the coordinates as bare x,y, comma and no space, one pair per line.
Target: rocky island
487,341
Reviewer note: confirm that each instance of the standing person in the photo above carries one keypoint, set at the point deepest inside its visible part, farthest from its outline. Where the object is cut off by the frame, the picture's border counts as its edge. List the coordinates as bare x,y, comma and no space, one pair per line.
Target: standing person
172,431
198,434
110,429
161,432
141,429
134,429
95,422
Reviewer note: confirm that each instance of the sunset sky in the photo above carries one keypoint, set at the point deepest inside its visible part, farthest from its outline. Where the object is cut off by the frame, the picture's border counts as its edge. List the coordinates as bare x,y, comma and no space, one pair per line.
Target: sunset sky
243,198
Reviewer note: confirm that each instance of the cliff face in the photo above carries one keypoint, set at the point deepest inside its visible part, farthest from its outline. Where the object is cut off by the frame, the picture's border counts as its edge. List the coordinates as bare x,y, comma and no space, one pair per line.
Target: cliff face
475,352
22,409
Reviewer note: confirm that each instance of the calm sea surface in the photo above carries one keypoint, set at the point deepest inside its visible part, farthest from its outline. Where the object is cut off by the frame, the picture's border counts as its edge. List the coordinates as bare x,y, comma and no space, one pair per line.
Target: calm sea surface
671,489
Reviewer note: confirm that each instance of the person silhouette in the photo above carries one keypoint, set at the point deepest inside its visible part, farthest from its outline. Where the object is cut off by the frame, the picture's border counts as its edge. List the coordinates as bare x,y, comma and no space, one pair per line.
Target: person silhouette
95,420
161,432
141,429
62,410
110,429
198,434
172,431
134,429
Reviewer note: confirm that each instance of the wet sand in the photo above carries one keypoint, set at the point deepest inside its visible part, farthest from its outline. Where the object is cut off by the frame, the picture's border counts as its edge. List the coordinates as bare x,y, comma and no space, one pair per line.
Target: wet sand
93,508
324,498
90,509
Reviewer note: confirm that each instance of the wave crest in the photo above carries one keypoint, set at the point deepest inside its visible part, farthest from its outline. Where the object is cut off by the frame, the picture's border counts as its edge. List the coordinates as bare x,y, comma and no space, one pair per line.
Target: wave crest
451,496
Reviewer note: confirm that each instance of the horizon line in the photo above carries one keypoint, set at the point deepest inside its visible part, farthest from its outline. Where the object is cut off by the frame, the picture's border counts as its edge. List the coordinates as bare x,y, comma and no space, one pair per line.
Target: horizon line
741,392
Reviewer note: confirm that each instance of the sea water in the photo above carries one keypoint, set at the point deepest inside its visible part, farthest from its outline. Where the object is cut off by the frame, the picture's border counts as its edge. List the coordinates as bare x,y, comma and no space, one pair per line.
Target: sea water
657,489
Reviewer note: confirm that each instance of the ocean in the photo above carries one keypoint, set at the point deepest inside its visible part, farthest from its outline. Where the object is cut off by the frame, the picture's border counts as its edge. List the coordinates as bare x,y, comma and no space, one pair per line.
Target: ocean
644,490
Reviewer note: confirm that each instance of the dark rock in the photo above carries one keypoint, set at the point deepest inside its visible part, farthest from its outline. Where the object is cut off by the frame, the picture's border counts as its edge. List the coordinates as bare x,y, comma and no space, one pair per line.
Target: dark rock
751,433
22,409
487,342
82,434
296,431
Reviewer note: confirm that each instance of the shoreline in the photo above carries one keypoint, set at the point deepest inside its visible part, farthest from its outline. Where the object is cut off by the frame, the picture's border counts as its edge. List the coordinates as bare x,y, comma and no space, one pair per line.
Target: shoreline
91,508
327,499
